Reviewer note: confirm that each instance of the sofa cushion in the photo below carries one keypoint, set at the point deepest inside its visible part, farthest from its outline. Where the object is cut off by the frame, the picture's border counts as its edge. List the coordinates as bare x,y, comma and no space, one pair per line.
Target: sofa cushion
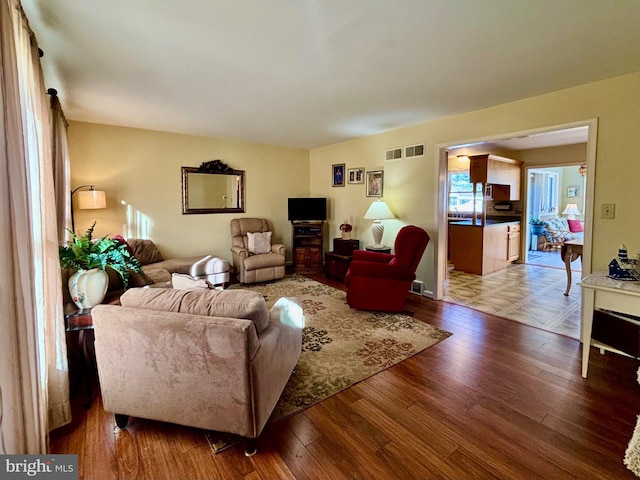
575,226
259,242
242,304
145,251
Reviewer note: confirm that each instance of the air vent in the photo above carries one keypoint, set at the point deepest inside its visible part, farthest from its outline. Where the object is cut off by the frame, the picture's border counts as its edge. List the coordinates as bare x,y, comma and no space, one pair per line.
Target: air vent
393,154
417,286
414,151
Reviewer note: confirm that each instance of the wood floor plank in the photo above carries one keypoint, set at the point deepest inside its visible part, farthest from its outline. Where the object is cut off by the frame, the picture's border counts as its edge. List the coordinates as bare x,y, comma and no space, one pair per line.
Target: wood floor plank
498,400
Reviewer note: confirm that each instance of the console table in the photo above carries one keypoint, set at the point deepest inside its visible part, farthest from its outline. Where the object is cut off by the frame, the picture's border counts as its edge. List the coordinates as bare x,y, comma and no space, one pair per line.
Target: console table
601,292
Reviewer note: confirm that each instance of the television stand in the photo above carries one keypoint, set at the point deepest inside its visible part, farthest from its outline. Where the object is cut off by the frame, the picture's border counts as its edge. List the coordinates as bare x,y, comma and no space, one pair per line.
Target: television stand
307,242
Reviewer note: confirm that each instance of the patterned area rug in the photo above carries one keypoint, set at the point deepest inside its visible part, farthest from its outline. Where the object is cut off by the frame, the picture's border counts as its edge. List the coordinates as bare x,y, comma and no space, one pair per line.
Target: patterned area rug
340,346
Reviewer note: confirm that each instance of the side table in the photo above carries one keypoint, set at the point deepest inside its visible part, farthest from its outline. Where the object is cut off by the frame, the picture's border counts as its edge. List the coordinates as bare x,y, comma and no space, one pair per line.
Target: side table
335,265
80,321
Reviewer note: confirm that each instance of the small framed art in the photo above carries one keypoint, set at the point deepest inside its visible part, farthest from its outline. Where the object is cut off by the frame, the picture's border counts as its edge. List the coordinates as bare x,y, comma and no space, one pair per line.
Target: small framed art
572,192
374,183
355,175
337,175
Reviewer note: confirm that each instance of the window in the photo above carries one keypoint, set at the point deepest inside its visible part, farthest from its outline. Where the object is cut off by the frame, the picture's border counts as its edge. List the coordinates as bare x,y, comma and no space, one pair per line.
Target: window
545,193
461,194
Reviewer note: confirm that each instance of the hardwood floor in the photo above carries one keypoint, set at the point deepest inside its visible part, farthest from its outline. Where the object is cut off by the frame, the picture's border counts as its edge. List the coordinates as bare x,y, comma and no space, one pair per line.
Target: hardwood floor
496,400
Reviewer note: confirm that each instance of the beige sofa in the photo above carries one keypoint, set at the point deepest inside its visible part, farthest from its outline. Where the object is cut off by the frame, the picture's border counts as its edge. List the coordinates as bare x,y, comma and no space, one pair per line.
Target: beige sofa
217,360
155,269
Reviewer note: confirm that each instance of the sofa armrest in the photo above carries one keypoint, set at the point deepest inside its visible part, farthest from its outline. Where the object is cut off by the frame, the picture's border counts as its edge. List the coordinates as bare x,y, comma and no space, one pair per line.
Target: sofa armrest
240,251
377,257
278,248
280,349
379,270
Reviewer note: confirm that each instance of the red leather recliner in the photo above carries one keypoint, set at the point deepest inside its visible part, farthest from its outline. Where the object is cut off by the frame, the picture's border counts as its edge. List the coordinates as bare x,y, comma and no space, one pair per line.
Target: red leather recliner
381,281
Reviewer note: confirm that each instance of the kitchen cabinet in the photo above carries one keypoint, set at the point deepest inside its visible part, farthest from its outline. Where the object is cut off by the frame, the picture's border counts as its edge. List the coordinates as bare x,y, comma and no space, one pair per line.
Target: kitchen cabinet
484,249
495,170
513,242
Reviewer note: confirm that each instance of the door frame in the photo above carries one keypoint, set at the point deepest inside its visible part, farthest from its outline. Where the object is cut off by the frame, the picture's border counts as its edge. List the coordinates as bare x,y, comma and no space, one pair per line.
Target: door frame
440,264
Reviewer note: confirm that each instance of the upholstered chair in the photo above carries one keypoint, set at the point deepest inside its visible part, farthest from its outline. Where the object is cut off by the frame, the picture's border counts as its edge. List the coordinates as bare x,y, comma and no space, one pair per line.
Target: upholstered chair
381,281
204,358
255,258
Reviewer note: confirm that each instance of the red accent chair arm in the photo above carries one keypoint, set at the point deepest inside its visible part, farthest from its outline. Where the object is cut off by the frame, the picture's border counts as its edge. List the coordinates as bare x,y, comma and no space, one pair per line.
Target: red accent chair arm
379,270
367,256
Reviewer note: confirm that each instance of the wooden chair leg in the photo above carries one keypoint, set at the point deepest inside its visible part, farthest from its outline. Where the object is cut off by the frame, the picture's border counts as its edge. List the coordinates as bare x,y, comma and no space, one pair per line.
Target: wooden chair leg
122,420
251,447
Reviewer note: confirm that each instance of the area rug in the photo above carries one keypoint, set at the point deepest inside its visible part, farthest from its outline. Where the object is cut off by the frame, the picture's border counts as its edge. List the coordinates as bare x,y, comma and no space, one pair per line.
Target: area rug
340,346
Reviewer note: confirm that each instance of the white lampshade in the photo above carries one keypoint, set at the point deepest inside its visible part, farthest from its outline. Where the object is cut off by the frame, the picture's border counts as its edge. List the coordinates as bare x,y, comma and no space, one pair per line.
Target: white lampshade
91,199
378,210
571,210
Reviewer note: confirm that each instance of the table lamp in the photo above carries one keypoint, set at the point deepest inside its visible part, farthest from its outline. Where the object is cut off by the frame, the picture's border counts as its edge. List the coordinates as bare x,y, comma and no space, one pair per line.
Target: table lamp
378,210
571,210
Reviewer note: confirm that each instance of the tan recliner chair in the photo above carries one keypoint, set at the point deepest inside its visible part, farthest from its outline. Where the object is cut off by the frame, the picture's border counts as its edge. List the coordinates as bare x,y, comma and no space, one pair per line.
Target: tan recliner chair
255,267
217,360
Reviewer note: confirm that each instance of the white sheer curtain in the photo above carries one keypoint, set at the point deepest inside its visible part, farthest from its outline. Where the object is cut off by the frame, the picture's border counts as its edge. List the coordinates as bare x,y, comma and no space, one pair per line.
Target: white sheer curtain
33,367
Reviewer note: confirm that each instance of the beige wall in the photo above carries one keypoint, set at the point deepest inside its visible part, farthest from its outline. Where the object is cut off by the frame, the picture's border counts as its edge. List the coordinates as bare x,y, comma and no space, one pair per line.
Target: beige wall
411,186
140,172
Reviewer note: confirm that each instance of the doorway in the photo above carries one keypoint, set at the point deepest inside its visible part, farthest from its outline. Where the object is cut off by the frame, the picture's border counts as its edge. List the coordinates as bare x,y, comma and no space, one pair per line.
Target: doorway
534,143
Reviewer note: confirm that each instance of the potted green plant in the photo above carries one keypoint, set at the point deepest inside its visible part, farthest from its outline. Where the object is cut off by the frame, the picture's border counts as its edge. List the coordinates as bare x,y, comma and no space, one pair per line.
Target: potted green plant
537,226
90,258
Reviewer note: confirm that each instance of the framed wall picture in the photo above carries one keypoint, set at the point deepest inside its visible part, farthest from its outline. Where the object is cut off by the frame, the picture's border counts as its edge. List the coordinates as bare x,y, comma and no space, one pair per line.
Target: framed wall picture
374,183
337,175
572,192
355,175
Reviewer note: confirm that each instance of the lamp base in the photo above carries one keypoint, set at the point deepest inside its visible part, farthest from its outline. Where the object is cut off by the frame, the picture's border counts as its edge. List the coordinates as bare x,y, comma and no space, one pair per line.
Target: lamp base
377,229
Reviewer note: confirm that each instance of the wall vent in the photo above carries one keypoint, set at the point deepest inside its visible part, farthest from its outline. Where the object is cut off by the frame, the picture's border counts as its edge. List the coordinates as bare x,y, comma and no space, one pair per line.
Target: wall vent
393,154
414,151
417,286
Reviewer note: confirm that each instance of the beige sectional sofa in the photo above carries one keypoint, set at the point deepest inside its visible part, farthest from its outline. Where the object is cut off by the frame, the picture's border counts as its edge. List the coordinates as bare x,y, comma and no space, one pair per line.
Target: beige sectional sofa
217,360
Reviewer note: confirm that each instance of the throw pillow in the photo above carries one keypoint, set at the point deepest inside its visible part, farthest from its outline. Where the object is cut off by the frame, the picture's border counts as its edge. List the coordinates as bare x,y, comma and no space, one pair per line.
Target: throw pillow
575,226
259,242
180,281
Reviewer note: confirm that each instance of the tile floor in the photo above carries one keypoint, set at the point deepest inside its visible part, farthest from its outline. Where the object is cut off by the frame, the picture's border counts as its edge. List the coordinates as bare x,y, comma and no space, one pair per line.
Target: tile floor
528,293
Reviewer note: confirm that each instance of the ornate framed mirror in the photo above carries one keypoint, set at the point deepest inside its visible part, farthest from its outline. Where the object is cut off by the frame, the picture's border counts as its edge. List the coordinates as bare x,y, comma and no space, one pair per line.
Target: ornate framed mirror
212,187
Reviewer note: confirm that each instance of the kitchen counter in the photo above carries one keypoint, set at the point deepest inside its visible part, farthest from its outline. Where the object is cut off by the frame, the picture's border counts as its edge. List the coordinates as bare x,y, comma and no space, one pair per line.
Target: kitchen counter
487,223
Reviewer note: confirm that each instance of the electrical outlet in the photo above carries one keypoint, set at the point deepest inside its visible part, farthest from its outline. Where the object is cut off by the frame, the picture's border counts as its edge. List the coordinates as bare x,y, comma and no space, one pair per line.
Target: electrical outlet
608,210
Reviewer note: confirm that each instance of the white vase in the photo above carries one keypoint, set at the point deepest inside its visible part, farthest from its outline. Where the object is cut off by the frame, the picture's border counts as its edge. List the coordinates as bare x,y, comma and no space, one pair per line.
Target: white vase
88,287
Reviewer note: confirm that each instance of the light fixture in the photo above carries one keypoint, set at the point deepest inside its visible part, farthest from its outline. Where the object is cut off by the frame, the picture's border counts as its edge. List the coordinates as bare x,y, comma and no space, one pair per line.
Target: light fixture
378,210
571,210
582,169
87,200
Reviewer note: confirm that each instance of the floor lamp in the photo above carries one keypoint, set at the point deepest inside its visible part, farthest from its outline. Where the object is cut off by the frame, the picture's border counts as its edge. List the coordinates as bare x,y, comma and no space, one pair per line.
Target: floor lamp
89,199
378,210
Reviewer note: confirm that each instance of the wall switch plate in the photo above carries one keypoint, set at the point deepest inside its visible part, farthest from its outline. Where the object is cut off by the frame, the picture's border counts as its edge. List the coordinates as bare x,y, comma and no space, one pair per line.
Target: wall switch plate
608,210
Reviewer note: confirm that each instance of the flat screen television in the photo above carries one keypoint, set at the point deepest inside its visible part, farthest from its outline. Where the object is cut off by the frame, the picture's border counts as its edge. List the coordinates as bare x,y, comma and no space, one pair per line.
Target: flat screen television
304,209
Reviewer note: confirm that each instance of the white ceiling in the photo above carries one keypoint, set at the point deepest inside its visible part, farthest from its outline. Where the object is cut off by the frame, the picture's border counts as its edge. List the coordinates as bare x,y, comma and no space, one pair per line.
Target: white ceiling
308,73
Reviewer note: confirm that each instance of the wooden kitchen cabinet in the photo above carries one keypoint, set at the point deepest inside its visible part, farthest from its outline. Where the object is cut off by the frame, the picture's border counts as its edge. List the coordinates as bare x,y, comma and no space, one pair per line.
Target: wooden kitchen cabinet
482,250
513,243
497,171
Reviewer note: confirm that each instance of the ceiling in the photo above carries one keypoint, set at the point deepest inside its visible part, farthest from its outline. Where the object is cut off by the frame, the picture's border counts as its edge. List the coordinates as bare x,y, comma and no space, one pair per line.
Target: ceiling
308,73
